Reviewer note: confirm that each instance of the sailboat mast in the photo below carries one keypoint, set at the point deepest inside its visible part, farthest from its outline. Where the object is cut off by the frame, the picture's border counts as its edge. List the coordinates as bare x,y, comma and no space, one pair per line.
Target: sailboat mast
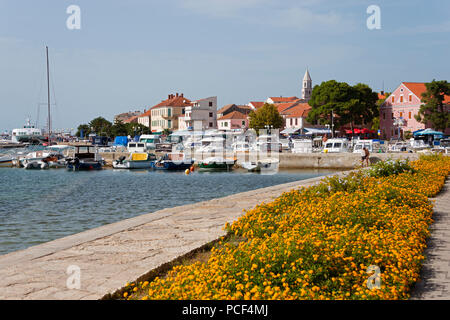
48,97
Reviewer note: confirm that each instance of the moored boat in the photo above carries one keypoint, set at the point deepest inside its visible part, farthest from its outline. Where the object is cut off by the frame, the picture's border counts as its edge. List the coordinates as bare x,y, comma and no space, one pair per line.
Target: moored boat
216,163
86,158
136,160
173,161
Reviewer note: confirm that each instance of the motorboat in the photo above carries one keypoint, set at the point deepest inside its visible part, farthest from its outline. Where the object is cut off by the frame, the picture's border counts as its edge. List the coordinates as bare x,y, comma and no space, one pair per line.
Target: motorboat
28,133
267,164
86,157
6,161
302,146
336,145
135,160
216,163
173,161
373,146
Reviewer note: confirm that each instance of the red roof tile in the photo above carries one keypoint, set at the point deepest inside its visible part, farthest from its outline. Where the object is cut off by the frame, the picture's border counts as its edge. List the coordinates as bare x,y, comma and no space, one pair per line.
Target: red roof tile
233,115
283,99
257,104
300,110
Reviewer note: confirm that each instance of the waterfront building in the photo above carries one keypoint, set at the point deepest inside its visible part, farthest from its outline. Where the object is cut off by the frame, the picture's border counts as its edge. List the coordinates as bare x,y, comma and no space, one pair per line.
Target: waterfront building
144,118
165,114
245,109
256,104
201,115
232,121
295,117
398,111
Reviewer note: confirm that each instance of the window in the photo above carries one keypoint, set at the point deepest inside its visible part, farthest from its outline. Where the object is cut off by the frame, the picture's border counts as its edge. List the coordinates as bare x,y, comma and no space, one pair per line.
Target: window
169,123
393,99
169,112
210,114
210,124
410,114
243,122
401,114
410,98
401,99
210,103
296,121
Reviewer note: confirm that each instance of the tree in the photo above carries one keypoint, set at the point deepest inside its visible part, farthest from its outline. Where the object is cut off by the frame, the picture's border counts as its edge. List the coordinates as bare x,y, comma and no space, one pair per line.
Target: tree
85,128
433,110
119,129
134,129
101,126
330,103
340,104
267,115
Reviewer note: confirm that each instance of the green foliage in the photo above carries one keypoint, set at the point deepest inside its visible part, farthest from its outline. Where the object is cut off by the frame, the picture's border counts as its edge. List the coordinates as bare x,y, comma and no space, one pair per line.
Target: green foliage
85,128
348,105
408,134
389,167
267,115
100,126
433,108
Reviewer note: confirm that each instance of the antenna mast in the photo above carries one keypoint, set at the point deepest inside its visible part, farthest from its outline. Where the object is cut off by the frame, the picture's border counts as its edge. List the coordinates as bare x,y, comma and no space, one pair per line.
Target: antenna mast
48,98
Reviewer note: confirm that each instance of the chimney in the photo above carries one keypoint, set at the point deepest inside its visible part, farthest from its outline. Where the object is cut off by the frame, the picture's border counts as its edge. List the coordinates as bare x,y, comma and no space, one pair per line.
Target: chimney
382,93
181,95
177,94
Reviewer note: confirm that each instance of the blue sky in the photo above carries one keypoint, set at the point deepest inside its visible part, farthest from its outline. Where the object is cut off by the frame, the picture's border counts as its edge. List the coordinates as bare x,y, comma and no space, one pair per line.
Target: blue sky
129,55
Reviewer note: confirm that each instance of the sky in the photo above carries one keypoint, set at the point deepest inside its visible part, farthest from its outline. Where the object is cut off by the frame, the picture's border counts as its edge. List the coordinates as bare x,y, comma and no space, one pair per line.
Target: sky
129,55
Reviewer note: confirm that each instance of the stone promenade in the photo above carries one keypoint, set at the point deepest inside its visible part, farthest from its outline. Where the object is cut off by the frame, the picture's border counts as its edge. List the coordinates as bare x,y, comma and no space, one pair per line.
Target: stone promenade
110,256
435,276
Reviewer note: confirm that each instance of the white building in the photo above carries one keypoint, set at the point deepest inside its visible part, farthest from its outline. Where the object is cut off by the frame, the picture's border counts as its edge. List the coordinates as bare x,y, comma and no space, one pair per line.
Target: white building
202,115
306,86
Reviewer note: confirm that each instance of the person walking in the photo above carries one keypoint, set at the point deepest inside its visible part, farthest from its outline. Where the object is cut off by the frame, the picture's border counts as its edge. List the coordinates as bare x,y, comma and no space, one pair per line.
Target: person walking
365,156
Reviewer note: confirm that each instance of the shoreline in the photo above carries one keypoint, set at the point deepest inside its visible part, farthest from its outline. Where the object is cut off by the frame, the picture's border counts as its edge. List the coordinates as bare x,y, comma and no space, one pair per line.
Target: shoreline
125,250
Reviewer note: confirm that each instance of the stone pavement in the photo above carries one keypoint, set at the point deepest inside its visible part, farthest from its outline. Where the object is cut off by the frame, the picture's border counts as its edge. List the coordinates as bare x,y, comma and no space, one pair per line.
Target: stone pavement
435,275
110,256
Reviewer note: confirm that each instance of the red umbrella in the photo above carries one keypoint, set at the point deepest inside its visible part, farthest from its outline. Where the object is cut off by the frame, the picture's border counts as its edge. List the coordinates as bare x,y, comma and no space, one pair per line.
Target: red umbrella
357,131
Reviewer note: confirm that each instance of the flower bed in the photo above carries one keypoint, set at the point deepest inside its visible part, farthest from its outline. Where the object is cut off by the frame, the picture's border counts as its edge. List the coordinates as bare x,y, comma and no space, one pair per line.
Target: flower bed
321,242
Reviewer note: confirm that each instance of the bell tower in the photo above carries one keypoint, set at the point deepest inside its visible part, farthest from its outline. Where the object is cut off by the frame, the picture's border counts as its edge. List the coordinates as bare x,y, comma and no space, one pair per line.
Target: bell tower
307,86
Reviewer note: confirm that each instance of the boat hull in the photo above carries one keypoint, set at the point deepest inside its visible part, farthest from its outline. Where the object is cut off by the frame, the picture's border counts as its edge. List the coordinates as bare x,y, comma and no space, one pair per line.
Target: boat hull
132,165
84,166
170,165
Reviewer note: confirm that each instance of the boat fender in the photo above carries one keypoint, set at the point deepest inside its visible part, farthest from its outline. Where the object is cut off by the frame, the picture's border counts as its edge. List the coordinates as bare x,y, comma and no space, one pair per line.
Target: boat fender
187,171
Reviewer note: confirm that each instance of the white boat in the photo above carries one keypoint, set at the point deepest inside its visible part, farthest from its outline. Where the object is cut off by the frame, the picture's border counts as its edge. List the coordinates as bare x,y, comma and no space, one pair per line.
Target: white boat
135,160
216,163
302,146
263,165
26,134
336,145
35,164
372,145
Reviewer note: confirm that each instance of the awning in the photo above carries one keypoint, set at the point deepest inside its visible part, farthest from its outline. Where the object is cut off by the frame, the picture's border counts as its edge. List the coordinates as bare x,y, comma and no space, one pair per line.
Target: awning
427,132
311,131
290,130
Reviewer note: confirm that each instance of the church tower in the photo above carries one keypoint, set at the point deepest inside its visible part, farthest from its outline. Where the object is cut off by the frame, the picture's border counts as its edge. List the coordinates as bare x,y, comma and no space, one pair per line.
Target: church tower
307,86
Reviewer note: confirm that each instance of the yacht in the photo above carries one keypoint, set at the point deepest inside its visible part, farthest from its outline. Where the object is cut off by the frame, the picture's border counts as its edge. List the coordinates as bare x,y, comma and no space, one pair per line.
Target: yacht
29,133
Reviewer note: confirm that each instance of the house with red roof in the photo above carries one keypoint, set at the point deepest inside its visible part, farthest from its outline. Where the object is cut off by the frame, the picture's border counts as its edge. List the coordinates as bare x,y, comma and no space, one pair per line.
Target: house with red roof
398,111
255,105
233,120
295,117
164,115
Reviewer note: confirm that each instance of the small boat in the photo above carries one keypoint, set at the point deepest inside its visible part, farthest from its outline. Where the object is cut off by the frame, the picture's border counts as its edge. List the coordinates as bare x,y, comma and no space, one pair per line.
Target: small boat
216,163
173,161
263,165
86,158
136,160
6,161
35,164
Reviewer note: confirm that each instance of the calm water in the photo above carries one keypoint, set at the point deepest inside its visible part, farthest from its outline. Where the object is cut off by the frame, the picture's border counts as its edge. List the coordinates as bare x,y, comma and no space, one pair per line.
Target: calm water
38,206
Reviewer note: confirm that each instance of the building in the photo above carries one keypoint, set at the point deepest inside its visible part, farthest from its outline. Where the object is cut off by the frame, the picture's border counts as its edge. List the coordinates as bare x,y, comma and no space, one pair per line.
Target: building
201,115
233,121
306,86
126,116
398,111
226,109
255,105
295,117
144,118
165,114
276,100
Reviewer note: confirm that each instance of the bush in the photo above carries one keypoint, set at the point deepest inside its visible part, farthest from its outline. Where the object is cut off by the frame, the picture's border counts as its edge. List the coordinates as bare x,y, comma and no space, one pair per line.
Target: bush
389,167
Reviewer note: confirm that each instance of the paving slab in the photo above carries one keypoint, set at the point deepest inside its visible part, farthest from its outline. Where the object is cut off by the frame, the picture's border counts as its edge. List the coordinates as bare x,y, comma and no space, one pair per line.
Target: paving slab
434,283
